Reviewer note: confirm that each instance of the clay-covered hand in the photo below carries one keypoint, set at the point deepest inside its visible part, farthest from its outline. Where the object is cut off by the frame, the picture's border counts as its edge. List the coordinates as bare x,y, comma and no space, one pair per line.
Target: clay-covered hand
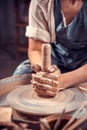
46,83
36,67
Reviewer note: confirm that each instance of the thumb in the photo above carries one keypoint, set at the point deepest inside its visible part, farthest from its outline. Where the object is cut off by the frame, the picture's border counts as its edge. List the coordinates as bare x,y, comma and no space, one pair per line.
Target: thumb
52,68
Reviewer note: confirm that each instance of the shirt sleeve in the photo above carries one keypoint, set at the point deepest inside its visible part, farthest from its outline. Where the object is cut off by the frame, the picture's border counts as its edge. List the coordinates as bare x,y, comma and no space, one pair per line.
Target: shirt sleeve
38,25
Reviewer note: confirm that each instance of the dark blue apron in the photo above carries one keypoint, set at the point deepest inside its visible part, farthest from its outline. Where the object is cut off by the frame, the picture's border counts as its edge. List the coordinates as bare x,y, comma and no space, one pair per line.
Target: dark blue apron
69,51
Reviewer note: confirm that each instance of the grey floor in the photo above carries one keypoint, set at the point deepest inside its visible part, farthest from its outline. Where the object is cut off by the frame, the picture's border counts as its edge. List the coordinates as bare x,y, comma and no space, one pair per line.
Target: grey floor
8,62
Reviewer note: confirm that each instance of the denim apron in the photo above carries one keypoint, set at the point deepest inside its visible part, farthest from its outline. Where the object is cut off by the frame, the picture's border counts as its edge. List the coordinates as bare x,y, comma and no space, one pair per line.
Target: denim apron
69,51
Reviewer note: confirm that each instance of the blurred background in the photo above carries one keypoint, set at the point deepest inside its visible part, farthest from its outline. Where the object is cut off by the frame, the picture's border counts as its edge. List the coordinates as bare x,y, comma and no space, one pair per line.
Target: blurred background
13,42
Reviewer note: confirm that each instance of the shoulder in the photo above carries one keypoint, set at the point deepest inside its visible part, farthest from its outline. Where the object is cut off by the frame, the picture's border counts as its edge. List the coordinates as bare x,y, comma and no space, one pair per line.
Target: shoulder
40,6
43,3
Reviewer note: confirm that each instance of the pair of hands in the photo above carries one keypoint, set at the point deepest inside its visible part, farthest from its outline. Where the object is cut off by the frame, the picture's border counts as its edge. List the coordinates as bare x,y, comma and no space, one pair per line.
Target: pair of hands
46,83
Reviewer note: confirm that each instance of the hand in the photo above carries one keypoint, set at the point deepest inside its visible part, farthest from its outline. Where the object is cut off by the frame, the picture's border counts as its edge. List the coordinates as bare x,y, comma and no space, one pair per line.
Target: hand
46,83
36,68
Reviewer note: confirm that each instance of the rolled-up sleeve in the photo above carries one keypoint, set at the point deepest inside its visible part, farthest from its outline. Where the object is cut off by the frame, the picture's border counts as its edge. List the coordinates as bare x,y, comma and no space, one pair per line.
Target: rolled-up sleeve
38,25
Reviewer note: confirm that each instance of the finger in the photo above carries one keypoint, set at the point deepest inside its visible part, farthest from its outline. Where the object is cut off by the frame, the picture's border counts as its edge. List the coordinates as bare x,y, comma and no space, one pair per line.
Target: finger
36,68
50,76
51,82
50,93
45,75
52,68
38,74
40,92
44,87
45,93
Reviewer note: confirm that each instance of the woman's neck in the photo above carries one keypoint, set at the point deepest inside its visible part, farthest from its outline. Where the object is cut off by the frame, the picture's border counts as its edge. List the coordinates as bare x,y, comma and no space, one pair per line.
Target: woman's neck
71,1
70,8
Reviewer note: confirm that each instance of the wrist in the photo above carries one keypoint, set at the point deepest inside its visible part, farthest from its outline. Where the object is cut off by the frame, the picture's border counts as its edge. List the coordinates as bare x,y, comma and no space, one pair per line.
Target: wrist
65,81
62,82
73,78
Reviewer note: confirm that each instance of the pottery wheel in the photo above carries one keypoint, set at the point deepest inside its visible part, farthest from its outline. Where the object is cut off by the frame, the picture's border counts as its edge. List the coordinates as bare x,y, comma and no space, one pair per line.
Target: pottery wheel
25,99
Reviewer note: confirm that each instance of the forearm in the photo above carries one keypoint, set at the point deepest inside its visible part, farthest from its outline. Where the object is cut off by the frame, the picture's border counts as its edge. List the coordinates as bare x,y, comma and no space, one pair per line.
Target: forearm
74,77
35,51
35,58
